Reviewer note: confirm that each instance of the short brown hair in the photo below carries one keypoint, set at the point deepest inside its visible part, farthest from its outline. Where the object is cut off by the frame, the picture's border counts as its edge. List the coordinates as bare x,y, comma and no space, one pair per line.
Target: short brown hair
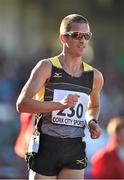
69,20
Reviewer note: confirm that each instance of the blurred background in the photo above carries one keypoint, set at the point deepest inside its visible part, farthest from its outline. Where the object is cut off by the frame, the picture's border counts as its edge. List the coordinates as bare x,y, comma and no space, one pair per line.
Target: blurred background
29,31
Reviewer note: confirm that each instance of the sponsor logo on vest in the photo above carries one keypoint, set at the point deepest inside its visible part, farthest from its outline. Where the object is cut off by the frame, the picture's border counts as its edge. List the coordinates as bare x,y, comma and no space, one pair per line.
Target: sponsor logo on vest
57,75
67,121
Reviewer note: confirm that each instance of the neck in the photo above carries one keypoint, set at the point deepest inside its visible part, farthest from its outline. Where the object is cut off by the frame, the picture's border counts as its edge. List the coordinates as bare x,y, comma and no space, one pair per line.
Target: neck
70,60
72,65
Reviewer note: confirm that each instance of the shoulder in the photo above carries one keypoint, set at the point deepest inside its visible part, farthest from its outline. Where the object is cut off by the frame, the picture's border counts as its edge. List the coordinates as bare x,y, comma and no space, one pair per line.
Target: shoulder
100,155
44,63
98,75
98,79
42,69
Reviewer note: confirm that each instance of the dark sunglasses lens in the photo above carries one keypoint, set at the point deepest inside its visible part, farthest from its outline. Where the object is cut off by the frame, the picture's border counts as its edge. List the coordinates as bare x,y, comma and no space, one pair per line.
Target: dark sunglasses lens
87,36
75,35
79,36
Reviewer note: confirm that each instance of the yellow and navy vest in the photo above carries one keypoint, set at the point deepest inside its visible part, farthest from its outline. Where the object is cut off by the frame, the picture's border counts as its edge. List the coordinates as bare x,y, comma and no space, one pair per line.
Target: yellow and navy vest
69,122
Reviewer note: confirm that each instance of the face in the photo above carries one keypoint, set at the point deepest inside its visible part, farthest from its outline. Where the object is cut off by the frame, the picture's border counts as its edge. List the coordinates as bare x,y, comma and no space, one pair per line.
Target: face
120,136
77,38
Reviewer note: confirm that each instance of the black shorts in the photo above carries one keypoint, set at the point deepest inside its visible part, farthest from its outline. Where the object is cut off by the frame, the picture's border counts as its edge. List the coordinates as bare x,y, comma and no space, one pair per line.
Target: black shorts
57,153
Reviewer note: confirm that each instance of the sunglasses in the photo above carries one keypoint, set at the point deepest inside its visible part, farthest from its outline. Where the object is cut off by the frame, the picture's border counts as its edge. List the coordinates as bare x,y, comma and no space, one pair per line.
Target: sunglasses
79,35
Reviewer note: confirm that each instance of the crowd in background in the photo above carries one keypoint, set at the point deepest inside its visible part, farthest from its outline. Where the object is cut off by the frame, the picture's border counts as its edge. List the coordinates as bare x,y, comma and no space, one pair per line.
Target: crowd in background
26,37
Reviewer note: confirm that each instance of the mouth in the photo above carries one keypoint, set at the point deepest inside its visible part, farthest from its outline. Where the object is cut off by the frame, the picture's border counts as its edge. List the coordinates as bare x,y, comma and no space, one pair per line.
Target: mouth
82,47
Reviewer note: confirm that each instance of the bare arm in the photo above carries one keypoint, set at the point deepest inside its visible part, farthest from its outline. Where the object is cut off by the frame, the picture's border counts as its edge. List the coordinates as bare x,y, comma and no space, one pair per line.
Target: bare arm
37,80
94,98
94,105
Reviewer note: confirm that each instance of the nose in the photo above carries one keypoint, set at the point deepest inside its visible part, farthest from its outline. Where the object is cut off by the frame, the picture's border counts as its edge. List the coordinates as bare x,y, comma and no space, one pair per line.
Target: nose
82,40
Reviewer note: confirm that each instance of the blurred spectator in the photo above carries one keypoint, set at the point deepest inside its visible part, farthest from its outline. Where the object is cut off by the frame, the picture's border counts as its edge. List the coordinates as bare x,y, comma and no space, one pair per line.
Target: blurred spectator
24,134
108,163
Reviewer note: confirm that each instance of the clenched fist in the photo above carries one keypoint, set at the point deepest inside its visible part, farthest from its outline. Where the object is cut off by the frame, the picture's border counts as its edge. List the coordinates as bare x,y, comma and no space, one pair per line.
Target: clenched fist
70,100
94,129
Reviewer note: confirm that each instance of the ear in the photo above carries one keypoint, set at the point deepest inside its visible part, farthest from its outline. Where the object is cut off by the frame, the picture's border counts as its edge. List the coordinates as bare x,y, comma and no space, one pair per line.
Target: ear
62,38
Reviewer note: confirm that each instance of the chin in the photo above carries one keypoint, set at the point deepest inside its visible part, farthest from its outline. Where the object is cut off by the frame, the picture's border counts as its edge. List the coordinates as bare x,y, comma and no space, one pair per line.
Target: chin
80,54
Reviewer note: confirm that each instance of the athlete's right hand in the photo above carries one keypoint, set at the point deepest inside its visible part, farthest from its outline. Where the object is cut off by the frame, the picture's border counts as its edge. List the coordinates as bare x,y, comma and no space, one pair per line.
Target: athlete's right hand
70,100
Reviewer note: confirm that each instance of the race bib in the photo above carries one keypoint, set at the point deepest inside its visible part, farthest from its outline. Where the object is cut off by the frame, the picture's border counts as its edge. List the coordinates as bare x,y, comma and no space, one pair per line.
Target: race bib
34,143
74,116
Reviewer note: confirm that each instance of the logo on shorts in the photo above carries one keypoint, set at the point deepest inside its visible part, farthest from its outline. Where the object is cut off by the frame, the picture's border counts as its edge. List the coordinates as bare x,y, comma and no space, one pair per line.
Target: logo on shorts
58,75
80,161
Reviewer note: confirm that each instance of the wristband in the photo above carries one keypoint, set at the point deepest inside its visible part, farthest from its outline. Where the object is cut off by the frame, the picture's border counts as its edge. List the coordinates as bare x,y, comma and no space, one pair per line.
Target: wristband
93,120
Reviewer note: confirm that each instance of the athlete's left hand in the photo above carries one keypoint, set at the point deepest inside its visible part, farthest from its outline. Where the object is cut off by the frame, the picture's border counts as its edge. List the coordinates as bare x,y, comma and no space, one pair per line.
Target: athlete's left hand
94,129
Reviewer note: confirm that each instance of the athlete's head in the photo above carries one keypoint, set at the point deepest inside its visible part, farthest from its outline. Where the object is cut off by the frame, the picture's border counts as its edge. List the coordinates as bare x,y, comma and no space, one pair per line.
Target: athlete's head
69,20
115,129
